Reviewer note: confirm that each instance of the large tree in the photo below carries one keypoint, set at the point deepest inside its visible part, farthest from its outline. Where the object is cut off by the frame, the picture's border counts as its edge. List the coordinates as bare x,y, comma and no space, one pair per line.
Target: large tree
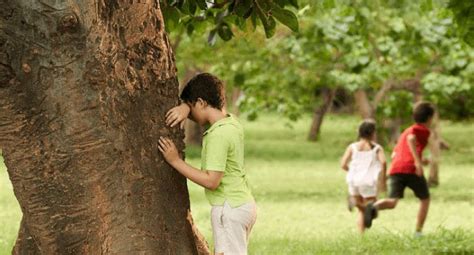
84,87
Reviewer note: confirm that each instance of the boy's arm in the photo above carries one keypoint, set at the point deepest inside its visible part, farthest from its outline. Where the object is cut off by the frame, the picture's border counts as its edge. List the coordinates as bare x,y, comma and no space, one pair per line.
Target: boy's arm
345,159
207,179
411,139
177,114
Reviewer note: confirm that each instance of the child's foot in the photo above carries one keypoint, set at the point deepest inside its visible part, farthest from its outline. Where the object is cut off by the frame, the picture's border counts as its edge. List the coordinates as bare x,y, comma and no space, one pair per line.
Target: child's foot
350,203
370,214
418,234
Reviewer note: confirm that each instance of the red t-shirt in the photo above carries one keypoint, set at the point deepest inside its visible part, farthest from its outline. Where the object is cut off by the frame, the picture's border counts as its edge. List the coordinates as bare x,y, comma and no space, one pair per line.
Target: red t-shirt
403,162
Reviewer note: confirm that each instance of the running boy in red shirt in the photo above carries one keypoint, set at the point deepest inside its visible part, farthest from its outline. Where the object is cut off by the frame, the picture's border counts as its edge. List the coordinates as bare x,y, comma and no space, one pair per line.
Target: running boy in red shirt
407,167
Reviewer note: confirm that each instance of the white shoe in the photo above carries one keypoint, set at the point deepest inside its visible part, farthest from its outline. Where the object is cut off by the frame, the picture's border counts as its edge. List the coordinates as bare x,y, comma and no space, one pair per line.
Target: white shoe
418,234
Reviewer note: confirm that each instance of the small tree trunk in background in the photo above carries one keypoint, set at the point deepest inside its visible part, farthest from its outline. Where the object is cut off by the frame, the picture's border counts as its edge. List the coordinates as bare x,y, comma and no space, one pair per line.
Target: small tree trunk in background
363,104
435,144
234,98
393,126
84,87
193,133
327,95
382,182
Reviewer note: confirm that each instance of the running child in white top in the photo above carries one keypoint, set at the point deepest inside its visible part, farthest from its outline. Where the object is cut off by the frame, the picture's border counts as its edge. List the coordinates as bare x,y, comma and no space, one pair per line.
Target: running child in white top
363,160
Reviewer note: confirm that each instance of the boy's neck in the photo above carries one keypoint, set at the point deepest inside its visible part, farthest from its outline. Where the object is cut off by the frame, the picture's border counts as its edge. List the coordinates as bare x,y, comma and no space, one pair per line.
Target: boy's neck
214,115
425,124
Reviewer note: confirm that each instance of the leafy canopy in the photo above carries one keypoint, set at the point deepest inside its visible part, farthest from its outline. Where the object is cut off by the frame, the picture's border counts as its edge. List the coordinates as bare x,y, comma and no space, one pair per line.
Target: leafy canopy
222,15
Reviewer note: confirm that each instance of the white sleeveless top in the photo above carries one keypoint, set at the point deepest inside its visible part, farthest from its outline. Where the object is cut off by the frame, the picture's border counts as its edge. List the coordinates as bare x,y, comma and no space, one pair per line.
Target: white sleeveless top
365,167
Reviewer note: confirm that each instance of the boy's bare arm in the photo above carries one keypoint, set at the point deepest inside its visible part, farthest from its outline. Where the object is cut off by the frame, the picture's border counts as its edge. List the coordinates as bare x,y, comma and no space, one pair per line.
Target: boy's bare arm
177,115
411,139
346,158
207,179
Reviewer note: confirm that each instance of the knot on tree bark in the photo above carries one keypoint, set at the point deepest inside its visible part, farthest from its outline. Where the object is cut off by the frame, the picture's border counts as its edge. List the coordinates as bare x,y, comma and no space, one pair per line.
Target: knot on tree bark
6,75
69,23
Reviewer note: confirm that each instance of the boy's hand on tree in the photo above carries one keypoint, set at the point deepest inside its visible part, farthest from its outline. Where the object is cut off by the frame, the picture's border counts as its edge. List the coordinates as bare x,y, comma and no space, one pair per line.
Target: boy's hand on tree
177,115
168,149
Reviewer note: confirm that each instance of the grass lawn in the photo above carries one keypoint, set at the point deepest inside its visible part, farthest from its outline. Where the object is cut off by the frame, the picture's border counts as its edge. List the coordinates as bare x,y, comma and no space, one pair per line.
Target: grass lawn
300,192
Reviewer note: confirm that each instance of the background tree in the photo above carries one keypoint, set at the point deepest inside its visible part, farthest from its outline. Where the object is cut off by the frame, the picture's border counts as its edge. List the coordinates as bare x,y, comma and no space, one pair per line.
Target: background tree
370,48
387,54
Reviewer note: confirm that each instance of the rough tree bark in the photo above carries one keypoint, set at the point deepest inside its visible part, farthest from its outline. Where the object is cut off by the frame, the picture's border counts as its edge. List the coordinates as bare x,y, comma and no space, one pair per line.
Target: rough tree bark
320,111
84,86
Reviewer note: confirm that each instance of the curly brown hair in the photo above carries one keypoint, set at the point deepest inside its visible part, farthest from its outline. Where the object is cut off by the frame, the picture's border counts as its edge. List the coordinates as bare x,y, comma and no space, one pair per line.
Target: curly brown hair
207,87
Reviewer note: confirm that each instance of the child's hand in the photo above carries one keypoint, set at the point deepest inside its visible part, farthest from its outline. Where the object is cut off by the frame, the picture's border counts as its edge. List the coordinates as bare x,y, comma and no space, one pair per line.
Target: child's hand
177,115
419,168
167,147
426,161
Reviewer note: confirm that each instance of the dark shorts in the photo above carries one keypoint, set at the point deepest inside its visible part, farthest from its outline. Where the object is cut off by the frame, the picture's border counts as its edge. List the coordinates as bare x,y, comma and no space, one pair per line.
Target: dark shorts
418,184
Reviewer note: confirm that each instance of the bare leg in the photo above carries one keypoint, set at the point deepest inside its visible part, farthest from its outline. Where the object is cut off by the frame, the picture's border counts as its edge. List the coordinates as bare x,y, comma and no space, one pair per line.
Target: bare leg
422,213
360,221
360,206
388,203
364,202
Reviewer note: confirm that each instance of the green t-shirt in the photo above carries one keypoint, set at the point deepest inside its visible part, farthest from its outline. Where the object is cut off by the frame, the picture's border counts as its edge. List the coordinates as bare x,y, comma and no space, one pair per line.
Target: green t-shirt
223,151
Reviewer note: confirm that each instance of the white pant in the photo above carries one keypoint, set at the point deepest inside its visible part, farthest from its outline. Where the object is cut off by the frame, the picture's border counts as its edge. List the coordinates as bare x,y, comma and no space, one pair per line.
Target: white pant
363,190
231,227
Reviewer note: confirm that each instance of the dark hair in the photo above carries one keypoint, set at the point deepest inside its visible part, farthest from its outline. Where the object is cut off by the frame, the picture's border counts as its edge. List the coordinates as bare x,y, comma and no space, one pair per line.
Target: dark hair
367,129
423,111
207,87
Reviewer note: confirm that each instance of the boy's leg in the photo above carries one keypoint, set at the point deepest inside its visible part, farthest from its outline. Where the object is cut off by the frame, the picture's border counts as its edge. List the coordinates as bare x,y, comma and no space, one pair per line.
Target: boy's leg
396,189
420,188
237,225
387,203
218,231
422,213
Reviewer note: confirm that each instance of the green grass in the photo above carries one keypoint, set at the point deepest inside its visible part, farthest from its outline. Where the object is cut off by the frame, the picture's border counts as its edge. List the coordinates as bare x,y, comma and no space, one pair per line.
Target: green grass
10,213
300,192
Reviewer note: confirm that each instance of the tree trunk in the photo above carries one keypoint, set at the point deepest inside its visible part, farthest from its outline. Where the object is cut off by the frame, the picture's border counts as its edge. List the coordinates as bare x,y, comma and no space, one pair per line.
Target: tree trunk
234,100
327,95
363,104
435,145
193,133
84,86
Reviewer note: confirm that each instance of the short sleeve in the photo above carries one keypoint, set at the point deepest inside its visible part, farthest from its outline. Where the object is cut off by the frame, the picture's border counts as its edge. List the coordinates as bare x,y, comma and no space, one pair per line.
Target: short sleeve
216,150
422,135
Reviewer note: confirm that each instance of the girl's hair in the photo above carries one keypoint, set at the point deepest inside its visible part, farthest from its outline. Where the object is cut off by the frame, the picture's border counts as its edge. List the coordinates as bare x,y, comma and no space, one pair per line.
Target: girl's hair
367,129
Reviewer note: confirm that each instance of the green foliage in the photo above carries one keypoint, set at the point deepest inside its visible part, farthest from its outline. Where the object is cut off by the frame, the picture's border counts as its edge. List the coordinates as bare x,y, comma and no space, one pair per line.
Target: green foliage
464,15
349,45
365,44
221,15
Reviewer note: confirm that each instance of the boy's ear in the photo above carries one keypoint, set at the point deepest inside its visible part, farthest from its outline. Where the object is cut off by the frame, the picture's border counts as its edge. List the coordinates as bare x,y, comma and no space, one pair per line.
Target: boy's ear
201,101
